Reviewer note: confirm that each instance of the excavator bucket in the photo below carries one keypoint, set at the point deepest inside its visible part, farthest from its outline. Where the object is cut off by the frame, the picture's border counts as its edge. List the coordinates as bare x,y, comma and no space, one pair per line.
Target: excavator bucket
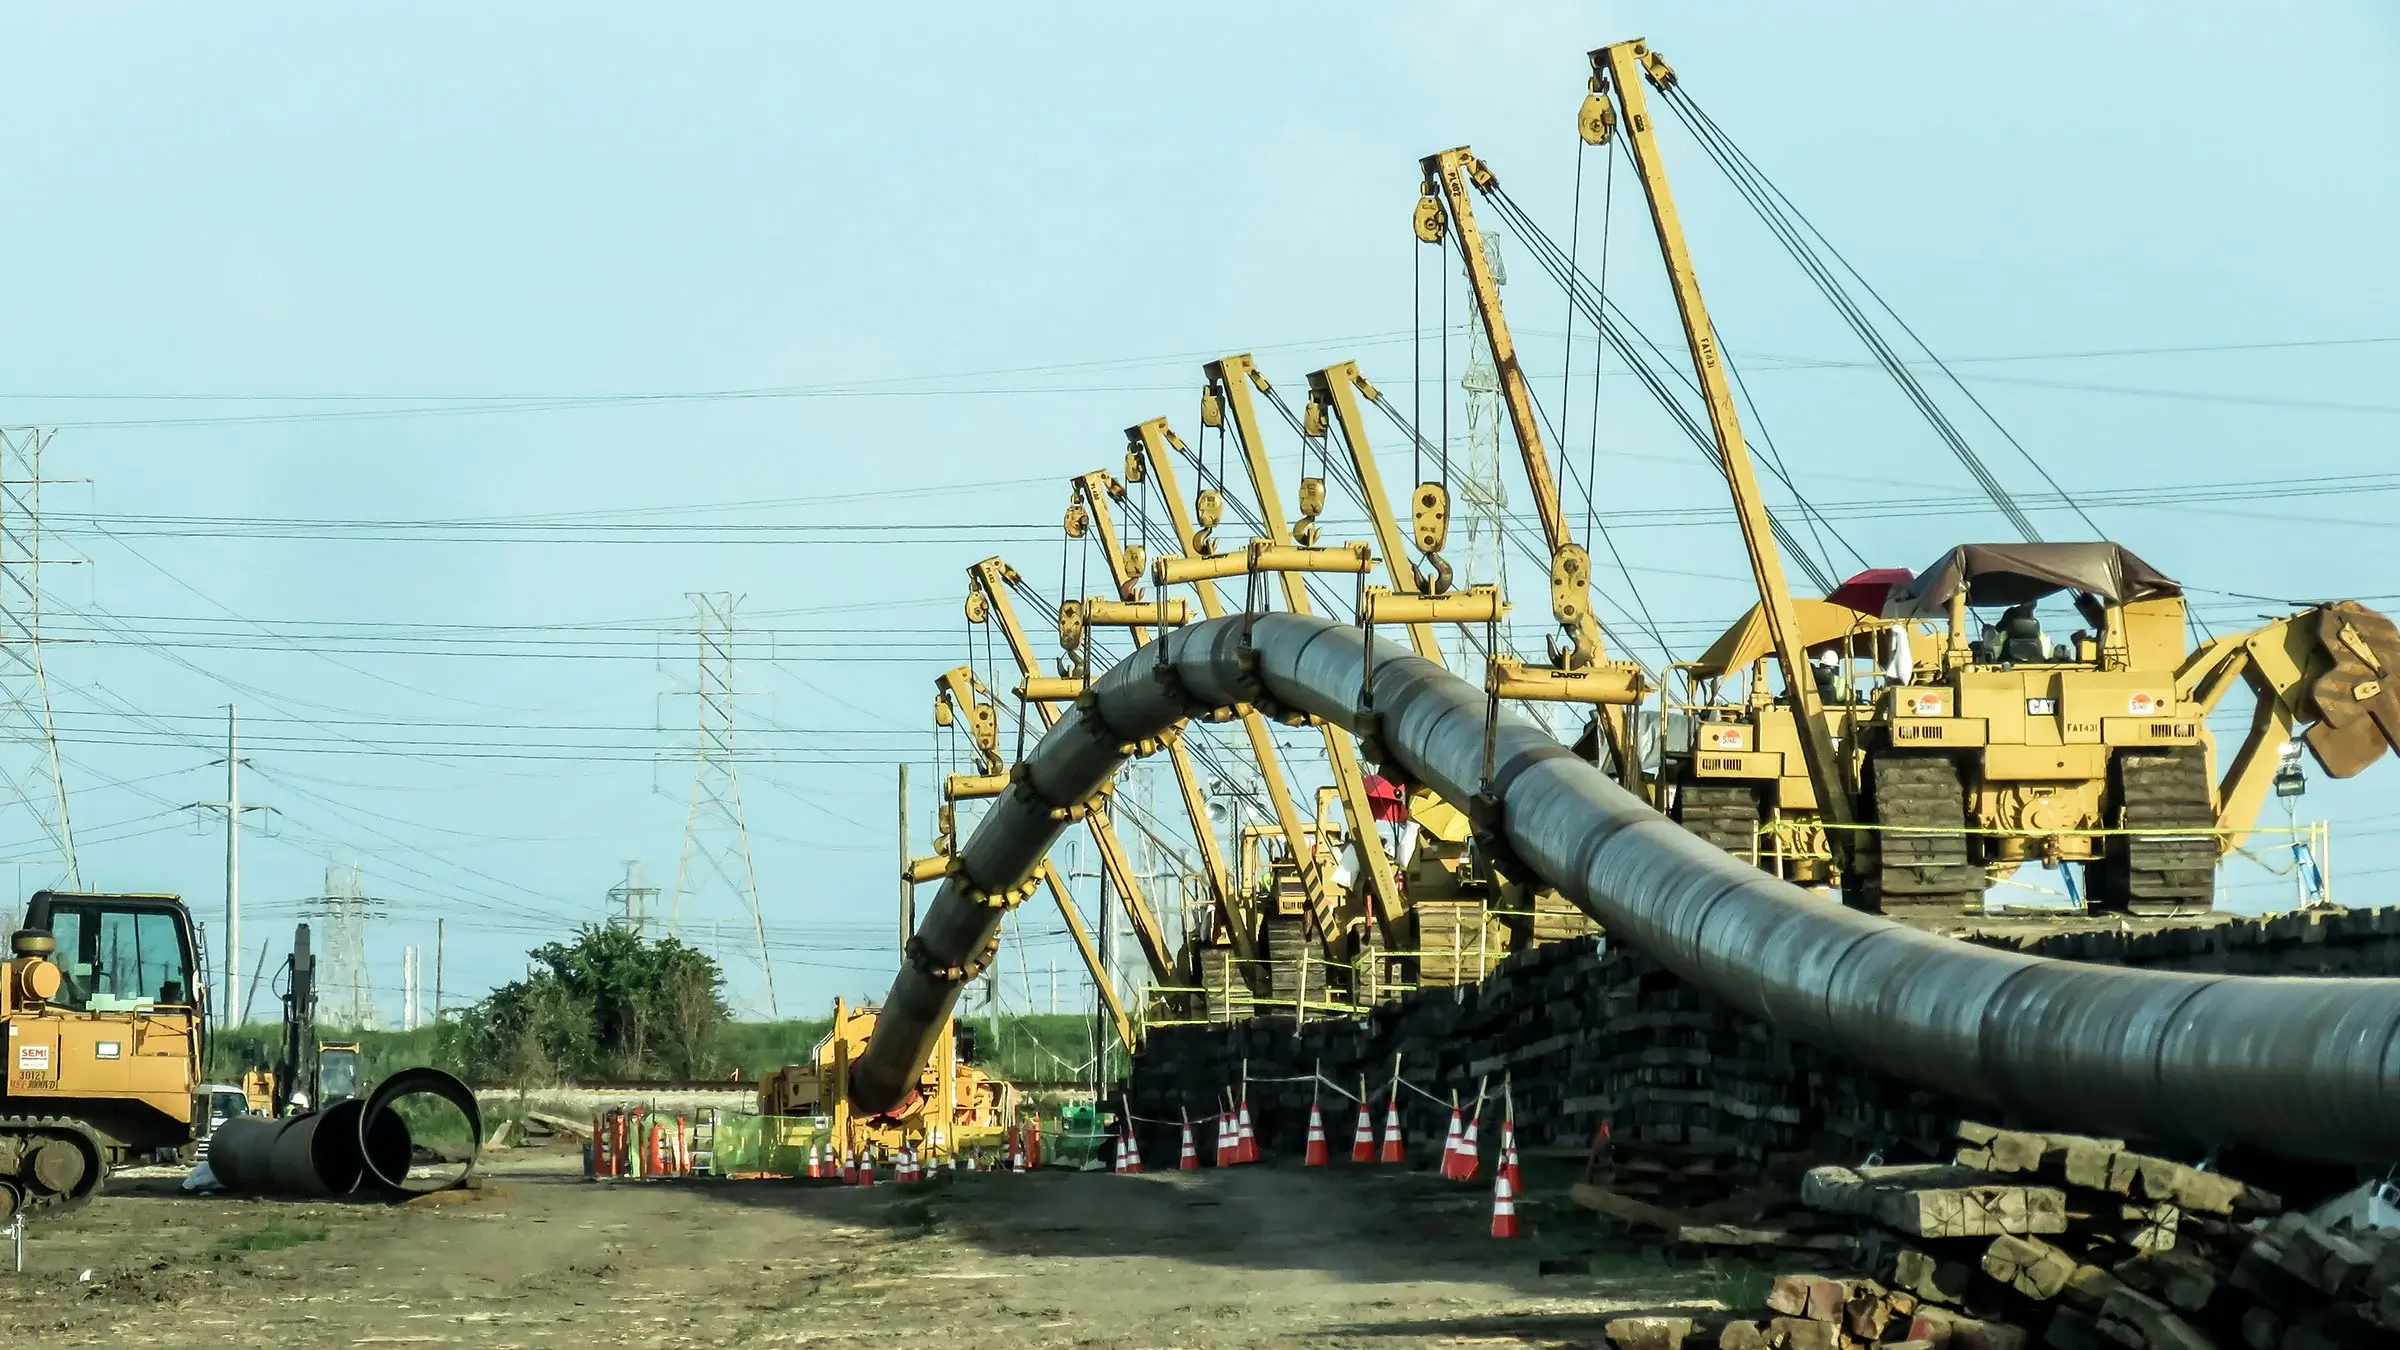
2358,697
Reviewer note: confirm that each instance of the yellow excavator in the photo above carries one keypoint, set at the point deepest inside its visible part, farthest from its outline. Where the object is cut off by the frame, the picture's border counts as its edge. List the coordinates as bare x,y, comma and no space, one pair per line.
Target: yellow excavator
105,1036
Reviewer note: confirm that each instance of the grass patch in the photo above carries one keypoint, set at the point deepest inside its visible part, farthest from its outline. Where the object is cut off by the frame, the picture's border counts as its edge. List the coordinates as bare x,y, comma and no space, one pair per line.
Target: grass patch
273,1236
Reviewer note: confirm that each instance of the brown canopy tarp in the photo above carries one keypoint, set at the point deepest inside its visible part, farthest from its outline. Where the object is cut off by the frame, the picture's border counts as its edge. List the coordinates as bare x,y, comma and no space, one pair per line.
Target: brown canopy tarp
2012,574
1821,622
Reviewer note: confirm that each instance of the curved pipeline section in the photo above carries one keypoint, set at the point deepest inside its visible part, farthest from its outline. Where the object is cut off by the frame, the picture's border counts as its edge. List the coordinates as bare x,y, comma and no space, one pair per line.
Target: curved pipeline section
2309,1068
347,1145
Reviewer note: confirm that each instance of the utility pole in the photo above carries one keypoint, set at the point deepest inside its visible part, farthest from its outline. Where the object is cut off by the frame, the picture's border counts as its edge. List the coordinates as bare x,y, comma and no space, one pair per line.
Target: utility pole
441,948
29,764
1107,925
408,988
908,888
230,1006
716,836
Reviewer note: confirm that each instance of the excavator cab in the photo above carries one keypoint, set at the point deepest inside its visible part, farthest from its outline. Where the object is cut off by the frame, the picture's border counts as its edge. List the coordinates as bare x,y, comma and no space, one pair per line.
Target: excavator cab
106,1022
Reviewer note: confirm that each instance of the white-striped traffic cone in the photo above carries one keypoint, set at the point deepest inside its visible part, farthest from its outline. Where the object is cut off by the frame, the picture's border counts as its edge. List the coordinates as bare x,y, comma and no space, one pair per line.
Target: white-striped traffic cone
1362,1140
1190,1159
1314,1153
1245,1140
1504,1205
1451,1142
1130,1150
1470,1152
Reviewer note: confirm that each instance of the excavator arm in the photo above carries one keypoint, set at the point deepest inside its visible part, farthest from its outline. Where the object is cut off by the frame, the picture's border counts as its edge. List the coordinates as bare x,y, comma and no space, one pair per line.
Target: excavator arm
2334,668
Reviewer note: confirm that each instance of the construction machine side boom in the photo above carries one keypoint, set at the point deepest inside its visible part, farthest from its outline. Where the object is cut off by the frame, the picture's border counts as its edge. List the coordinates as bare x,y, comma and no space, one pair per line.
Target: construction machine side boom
1153,440
991,576
953,685
1095,492
1625,66
1450,173
1337,388
1234,377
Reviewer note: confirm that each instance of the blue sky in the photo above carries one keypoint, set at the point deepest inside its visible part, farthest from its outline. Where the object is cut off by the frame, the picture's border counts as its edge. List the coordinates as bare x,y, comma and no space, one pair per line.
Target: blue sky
346,268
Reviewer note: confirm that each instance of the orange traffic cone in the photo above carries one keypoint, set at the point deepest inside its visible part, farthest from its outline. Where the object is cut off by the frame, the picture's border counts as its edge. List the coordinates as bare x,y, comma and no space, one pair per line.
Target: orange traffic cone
1392,1151
1190,1159
816,1161
1315,1154
1246,1139
1507,1181
654,1159
1470,1149
1451,1142
1362,1140
866,1168
1224,1139
1131,1149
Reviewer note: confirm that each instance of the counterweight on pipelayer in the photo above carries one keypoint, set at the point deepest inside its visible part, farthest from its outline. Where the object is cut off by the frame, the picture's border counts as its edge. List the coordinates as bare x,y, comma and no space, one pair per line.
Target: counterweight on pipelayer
2308,1068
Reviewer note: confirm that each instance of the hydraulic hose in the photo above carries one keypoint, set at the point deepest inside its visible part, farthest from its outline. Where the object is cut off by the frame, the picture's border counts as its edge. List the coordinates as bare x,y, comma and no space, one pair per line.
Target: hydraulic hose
2305,1067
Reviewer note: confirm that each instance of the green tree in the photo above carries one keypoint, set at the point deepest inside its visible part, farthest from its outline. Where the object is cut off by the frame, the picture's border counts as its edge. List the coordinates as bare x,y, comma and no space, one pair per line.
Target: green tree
605,1005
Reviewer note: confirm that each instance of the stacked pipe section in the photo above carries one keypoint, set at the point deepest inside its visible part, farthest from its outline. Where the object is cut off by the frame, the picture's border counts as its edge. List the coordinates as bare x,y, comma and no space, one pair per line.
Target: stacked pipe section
2308,1068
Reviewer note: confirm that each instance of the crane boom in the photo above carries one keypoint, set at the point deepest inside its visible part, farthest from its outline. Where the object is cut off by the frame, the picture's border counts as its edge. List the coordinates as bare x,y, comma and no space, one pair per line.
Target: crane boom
1626,65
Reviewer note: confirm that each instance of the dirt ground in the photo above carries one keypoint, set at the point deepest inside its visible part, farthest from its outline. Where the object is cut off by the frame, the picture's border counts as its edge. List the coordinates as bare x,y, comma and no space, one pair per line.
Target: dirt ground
540,1257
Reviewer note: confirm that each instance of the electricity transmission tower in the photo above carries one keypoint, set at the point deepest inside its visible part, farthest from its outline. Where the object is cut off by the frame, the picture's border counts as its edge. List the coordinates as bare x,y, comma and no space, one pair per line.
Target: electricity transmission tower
29,773
634,897
1483,492
716,836
346,993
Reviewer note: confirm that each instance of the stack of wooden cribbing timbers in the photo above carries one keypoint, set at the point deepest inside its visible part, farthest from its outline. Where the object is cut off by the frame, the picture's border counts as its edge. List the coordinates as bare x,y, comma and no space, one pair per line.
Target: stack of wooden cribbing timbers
2079,1244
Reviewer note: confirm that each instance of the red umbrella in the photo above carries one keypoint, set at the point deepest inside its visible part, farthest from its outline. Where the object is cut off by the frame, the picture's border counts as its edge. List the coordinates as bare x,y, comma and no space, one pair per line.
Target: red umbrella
1871,591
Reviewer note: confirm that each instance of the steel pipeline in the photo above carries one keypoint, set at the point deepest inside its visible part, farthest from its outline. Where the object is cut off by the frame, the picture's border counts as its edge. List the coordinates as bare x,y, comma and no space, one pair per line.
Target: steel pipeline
342,1147
2301,1066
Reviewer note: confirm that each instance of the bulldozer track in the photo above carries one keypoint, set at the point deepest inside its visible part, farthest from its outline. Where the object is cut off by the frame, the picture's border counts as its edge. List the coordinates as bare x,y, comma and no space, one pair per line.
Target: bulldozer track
1724,814
34,1130
1902,869
2162,790
1294,973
